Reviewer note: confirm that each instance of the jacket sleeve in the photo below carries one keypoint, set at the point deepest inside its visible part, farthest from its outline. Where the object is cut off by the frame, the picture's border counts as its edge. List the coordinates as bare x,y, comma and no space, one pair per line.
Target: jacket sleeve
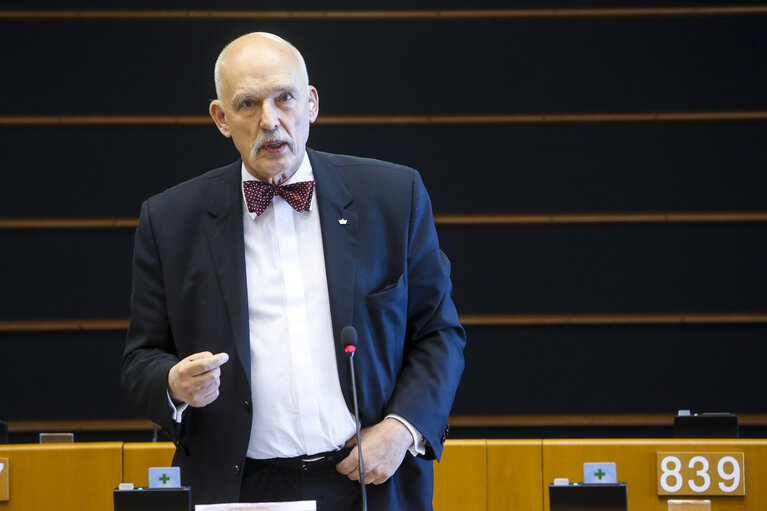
433,360
149,348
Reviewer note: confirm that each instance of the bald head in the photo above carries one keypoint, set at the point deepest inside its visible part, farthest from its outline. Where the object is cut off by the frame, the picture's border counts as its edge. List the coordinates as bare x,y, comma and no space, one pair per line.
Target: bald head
249,45
265,104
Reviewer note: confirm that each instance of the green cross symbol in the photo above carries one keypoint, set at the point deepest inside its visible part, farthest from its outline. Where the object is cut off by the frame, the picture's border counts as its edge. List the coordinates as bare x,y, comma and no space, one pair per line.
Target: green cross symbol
599,474
164,479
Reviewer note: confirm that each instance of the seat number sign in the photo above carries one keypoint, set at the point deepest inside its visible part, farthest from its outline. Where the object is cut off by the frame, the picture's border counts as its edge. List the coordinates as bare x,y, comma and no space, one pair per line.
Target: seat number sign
701,473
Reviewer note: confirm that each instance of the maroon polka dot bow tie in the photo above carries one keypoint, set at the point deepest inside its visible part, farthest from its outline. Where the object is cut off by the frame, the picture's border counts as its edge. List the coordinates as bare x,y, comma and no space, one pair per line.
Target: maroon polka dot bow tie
258,195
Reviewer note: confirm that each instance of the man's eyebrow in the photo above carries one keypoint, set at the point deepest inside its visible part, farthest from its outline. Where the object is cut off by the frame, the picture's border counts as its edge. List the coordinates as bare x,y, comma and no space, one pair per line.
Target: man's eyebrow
275,91
243,95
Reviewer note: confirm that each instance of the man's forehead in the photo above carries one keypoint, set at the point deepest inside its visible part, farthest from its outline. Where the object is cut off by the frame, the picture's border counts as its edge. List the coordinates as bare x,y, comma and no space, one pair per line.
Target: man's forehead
267,66
262,52
265,87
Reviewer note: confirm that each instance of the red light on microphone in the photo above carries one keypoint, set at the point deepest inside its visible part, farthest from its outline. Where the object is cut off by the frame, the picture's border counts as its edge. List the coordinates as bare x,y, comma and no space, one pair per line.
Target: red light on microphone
351,348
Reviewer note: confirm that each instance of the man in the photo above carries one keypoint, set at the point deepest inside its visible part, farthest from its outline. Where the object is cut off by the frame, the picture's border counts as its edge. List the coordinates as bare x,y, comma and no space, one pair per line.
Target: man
238,302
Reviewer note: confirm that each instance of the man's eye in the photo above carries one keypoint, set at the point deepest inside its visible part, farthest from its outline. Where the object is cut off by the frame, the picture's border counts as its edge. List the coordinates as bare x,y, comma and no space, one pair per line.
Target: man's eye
247,103
286,96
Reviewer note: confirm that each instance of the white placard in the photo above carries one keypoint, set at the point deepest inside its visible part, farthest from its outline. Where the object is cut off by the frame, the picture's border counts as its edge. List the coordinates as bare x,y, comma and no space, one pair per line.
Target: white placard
300,505
164,477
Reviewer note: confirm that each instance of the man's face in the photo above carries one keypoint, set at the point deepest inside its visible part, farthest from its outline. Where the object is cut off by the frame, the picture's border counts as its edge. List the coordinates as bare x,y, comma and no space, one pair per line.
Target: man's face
266,106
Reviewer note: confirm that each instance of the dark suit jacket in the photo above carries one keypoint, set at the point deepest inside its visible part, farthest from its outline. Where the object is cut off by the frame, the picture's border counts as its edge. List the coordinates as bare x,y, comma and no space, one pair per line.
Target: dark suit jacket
386,276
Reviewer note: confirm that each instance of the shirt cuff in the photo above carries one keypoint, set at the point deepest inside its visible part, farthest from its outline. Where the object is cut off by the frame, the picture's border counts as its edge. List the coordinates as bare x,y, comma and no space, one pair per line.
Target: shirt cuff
419,442
176,412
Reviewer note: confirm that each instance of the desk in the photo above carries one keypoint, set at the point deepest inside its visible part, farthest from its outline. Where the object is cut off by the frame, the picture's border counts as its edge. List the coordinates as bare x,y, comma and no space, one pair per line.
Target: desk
64,477
474,475
636,464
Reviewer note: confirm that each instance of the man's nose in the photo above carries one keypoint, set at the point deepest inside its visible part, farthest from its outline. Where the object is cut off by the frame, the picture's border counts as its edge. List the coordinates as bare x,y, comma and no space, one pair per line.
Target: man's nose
269,118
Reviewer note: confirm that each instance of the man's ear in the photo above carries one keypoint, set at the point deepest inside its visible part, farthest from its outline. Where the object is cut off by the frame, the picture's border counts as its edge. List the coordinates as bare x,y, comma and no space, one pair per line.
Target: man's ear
314,104
219,117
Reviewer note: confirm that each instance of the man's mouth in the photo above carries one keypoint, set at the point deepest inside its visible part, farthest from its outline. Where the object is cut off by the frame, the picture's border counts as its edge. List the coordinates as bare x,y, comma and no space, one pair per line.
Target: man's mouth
275,145
272,144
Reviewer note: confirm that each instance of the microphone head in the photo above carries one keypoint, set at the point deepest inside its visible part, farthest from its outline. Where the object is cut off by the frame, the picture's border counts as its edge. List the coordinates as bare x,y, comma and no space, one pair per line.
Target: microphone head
349,338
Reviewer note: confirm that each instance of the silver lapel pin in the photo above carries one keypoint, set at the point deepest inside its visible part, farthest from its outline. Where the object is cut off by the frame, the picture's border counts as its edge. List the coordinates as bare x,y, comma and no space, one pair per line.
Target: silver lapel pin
342,221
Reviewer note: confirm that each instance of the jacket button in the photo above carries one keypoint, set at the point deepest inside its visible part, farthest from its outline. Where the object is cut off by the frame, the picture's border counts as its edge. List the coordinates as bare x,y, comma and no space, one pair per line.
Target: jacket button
236,470
247,405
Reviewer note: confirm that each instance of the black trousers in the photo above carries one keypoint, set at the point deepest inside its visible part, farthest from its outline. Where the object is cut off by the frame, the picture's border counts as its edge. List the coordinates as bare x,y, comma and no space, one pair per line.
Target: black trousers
265,482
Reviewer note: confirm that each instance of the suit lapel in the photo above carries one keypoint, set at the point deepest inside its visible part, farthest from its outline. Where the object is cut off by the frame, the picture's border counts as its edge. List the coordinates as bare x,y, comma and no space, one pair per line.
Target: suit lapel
227,247
339,227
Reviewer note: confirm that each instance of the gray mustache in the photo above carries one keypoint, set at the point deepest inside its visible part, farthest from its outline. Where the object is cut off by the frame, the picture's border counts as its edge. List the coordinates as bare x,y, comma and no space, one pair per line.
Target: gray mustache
270,137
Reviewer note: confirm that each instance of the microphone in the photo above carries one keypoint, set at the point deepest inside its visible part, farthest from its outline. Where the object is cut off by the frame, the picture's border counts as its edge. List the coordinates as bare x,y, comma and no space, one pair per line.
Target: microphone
349,340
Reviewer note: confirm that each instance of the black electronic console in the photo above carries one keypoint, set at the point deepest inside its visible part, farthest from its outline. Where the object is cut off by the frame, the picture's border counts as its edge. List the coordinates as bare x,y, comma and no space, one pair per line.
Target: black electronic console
153,499
588,497
705,425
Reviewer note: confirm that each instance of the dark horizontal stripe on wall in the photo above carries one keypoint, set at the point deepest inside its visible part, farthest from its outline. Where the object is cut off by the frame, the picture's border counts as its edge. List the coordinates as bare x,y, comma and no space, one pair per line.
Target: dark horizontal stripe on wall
380,15
445,220
385,120
615,369
614,269
527,420
600,218
565,419
548,65
534,168
610,319
466,320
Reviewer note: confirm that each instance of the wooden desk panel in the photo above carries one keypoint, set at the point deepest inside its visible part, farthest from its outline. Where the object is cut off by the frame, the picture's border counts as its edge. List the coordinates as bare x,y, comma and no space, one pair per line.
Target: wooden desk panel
138,457
636,465
474,474
514,475
65,477
460,482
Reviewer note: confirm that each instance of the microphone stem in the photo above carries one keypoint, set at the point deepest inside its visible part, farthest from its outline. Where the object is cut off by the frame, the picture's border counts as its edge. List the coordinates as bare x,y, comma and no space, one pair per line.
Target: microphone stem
359,438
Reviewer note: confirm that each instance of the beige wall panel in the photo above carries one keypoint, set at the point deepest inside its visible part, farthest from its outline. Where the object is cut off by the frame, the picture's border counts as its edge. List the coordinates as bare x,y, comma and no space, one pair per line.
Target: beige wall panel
64,477
514,475
459,479
636,465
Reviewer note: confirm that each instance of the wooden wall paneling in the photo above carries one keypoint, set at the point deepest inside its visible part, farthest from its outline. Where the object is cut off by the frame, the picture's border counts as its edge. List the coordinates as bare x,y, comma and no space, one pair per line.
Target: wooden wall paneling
460,478
514,475
67,477
636,465
590,127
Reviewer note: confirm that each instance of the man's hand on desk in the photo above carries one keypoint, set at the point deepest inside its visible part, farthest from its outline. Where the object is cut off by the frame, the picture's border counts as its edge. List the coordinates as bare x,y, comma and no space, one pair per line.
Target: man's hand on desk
383,448
195,379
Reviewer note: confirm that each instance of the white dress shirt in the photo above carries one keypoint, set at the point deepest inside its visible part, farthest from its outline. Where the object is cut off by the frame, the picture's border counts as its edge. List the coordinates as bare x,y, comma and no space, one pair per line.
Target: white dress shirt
298,407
